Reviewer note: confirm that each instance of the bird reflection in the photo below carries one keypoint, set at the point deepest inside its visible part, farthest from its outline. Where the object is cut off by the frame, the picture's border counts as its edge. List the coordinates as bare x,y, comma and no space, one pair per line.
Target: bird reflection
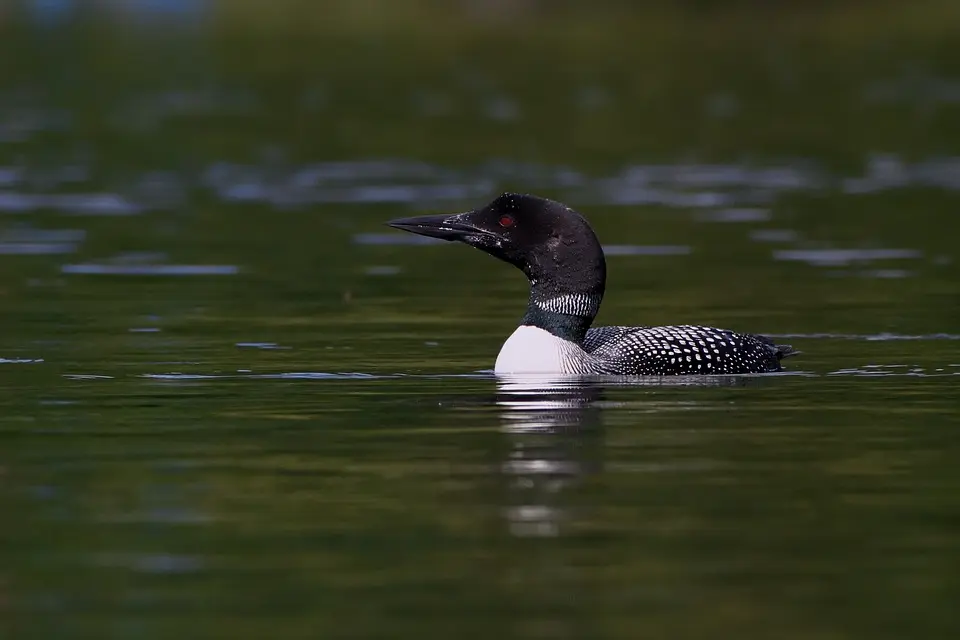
553,438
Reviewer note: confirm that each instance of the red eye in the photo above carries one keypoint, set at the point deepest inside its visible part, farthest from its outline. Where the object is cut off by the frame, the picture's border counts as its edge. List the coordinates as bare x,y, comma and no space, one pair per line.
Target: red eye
507,221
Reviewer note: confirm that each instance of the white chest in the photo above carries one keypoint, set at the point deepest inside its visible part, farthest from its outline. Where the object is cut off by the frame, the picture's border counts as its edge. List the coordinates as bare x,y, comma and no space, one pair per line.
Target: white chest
533,350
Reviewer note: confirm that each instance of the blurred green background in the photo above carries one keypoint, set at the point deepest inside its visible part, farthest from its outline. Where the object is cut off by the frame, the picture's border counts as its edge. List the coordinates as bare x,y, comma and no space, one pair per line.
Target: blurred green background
211,424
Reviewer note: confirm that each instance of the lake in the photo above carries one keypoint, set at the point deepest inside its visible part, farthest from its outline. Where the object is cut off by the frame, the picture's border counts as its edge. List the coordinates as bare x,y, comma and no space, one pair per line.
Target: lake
238,405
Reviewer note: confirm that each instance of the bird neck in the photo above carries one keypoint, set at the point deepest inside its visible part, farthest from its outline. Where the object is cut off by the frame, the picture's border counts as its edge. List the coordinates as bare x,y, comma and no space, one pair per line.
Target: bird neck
566,314
567,280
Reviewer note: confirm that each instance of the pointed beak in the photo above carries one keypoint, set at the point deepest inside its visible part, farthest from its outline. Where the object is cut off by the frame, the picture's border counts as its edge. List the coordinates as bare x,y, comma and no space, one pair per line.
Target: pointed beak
445,227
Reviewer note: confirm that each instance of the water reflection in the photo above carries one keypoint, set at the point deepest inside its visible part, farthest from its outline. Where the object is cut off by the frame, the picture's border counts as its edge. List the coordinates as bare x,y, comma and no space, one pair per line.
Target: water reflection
152,270
841,257
145,263
732,193
554,439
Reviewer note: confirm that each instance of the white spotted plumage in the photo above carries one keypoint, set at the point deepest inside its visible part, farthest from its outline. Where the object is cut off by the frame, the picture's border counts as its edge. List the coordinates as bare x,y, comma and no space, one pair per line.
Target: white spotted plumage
680,349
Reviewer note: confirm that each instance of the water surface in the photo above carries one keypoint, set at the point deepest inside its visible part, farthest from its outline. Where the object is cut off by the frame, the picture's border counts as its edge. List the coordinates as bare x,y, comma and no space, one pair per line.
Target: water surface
236,405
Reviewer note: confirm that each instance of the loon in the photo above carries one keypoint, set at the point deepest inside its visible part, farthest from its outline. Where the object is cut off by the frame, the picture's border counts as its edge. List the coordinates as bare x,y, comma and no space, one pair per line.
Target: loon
562,258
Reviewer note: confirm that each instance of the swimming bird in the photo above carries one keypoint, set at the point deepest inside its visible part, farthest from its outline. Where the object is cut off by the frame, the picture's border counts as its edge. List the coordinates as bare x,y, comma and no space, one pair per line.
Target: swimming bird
560,254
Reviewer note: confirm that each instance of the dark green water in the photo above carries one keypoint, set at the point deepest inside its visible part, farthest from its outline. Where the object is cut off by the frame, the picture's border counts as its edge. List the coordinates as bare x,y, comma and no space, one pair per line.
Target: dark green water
295,434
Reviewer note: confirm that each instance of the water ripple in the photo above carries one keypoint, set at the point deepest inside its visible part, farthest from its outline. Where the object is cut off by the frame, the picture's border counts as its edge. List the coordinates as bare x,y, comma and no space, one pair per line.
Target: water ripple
729,192
882,337
151,269
841,257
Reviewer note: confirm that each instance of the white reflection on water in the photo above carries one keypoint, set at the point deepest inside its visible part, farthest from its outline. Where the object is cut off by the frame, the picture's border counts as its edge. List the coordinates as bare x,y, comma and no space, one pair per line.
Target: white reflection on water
886,370
30,234
774,235
151,563
742,214
91,204
545,421
393,239
554,439
260,345
646,250
151,269
868,336
839,257
36,248
727,192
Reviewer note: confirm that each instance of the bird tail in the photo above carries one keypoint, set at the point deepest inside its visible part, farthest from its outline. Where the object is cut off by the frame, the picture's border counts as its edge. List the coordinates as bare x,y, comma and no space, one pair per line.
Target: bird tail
781,351
785,351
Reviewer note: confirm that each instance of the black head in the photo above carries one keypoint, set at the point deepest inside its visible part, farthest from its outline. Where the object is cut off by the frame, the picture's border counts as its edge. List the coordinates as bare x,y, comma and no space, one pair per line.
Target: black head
550,242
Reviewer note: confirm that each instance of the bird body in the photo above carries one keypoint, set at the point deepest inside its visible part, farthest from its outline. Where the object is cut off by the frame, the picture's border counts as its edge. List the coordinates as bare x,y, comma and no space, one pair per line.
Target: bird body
559,253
